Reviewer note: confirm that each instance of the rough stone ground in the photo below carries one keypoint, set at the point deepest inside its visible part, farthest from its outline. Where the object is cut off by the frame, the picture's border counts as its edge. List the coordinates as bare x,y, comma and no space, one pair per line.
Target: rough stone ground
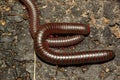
16,44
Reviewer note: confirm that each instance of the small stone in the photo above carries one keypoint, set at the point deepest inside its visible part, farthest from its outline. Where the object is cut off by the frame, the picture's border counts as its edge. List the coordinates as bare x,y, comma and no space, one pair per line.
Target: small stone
19,78
107,70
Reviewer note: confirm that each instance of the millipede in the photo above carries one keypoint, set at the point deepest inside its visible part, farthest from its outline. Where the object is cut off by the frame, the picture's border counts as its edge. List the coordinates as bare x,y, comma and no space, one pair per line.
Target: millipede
42,42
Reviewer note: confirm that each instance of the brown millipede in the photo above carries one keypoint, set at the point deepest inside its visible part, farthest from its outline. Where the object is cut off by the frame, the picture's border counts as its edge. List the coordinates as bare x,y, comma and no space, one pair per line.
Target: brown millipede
40,35
56,58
